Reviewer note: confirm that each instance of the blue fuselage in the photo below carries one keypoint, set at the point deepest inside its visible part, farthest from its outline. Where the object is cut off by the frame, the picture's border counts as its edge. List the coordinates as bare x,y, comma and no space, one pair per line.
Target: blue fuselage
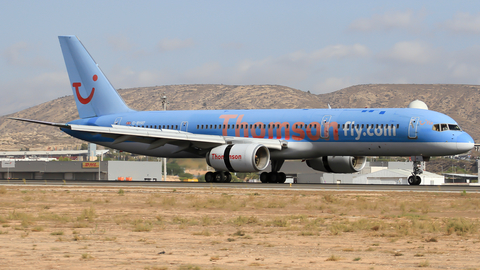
309,133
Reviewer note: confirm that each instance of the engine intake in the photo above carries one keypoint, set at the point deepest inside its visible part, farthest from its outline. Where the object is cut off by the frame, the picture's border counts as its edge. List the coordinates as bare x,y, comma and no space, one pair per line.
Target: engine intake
239,157
337,164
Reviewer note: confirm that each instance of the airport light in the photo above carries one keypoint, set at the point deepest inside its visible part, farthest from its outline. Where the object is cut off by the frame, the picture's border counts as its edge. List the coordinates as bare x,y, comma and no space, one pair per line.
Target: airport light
164,160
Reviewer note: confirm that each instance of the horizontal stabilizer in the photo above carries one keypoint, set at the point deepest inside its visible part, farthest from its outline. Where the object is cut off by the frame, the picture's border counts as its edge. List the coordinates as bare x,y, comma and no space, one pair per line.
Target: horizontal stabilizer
62,125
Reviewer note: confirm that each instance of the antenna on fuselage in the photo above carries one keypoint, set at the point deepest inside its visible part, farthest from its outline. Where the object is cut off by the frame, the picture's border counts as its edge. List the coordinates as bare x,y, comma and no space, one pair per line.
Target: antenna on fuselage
329,106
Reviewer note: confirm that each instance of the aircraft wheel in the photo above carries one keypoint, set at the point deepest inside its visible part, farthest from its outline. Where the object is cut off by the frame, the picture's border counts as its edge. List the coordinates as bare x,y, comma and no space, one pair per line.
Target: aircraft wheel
264,177
219,177
282,177
209,177
418,180
272,177
228,177
411,180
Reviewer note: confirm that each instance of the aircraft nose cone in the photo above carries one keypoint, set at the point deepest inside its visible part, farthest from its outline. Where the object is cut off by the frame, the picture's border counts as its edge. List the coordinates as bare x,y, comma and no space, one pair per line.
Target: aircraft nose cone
464,143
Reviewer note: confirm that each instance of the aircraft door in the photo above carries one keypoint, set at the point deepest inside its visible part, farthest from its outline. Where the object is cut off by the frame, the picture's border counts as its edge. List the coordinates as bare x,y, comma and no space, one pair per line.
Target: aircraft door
413,128
117,121
184,126
324,126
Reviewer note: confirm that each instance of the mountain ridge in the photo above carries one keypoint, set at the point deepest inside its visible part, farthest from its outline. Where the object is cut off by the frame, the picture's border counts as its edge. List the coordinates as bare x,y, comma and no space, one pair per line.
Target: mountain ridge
458,101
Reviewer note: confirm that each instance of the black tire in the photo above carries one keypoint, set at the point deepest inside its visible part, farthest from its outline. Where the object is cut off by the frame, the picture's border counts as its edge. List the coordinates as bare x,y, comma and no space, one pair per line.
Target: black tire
272,177
411,180
209,177
219,177
282,177
264,177
228,177
418,180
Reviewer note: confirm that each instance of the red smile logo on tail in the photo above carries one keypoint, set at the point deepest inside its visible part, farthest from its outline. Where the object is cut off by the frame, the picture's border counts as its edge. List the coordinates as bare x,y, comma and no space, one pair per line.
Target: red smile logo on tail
80,98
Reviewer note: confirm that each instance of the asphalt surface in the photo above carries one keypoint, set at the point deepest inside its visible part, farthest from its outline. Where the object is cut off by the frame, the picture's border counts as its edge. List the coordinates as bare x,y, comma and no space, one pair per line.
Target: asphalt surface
161,184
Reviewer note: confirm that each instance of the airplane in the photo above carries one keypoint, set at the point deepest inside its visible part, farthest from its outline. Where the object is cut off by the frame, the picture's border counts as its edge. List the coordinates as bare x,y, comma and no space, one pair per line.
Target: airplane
329,140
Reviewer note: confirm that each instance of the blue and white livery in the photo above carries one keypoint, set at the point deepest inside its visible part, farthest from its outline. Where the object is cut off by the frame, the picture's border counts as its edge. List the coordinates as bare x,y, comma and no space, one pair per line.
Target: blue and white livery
330,140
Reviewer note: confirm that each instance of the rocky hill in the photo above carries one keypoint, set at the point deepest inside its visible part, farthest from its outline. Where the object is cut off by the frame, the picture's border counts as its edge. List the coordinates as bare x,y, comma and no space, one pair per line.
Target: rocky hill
458,101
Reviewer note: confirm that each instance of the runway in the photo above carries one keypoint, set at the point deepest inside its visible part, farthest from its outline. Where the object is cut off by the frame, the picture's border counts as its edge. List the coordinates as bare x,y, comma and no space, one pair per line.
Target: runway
259,186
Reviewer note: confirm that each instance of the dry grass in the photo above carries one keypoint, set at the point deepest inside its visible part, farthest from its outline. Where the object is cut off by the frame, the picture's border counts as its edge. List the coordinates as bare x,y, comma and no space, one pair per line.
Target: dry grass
351,225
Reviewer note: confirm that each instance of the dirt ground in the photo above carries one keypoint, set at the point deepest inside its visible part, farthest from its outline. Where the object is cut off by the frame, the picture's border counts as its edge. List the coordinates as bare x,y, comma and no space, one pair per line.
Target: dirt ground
48,227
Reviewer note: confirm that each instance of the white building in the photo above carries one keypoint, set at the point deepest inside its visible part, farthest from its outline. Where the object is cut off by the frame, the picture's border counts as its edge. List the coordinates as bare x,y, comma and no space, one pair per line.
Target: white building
397,177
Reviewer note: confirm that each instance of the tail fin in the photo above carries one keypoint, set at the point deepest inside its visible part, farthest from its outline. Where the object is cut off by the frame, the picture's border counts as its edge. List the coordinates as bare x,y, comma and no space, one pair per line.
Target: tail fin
94,95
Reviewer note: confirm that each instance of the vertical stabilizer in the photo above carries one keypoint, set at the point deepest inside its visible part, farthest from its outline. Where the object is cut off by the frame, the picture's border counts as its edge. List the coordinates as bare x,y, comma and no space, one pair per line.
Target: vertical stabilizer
94,95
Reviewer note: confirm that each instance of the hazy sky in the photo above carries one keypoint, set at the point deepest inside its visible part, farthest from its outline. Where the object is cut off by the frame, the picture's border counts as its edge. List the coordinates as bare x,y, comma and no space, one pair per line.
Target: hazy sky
316,46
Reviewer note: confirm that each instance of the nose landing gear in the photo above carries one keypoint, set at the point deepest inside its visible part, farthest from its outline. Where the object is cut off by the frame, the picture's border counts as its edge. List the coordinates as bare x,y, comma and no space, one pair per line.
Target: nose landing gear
418,166
414,180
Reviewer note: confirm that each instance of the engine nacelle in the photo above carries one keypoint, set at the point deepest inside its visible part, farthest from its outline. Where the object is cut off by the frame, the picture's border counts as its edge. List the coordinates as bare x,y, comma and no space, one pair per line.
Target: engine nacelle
239,157
337,164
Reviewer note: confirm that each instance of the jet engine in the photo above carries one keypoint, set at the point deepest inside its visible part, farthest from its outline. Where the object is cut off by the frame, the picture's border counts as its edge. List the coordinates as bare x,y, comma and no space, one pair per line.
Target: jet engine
239,157
337,164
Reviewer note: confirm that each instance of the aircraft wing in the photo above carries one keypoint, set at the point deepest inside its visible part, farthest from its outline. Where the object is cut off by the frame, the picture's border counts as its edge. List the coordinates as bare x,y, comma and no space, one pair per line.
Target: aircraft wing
159,137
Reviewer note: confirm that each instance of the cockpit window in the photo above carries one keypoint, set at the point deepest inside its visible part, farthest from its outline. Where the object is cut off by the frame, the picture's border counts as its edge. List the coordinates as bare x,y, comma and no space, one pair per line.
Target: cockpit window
444,127
453,127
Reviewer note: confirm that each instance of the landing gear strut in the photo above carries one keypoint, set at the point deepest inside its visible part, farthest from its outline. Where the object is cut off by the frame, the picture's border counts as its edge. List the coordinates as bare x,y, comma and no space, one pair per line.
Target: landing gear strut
418,164
274,176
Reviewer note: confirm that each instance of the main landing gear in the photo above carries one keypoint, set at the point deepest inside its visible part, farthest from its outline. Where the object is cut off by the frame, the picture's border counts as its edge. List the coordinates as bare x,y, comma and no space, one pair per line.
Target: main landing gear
266,177
218,177
415,179
274,176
